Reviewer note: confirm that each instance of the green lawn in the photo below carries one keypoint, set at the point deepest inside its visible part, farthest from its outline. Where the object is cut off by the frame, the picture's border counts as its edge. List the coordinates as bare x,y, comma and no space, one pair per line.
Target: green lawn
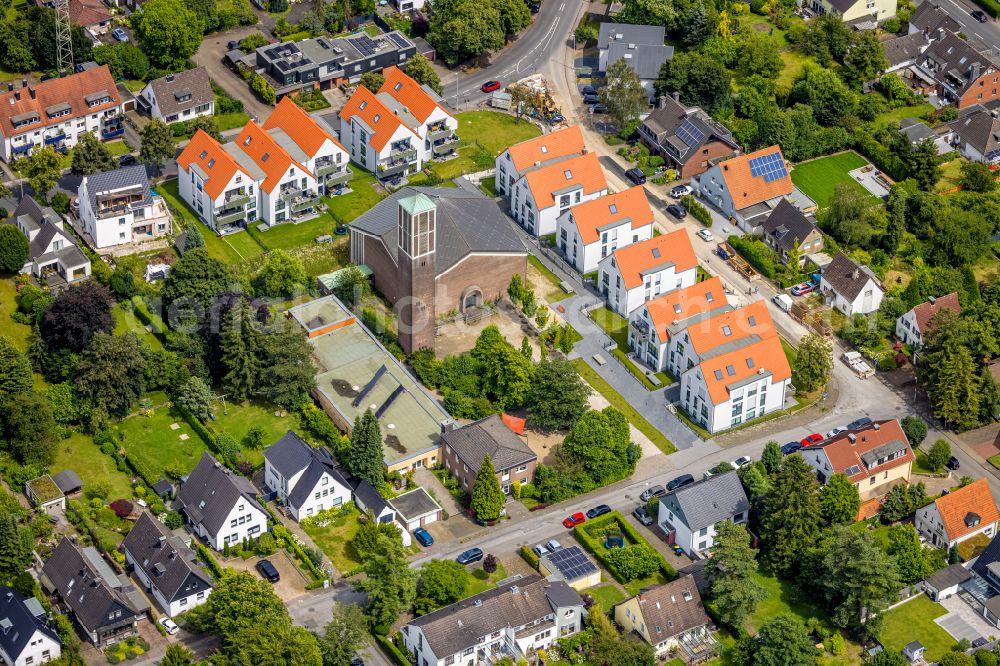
125,321
951,172
636,586
237,419
554,294
18,333
244,244
613,324
116,147
914,621
795,61
819,178
782,598
895,115
489,186
480,581
228,121
347,207
334,540
763,24
289,236
217,246
79,453
605,594
618,402
150,438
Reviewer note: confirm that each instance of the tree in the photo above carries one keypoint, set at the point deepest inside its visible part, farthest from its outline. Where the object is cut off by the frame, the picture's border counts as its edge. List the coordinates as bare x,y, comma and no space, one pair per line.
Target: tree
420,70
771,457
591,444
939,454
915,429
42,169
15,547
558,396
701,80
782,641
286,374
280,275
73,318
984,657
441,583
272,644
352,286
125,60
730,574
647,12
839,500
192,237
487,497
15,369
111,373
490,561
463,29
364,458
791,516
177,655
239,603
156,137
196,397
169,32
241,343
845,218
29,428
956,659
826,93
514,15
759,56
389,581
195,281
13,249
372,80
904,546
123,283
865,59
860,580
955,391
977,177
91,156
901,501
206,124
253,41
813,364
888,658
623,93
506,373
344,635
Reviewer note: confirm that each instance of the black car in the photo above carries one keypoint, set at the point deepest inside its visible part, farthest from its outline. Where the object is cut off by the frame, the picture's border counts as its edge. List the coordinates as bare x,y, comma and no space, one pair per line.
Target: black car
470,556
979,642
357,661
267,570
680,482
126,160
636,176
677,211
233,44
599,108
790,448
953,463
591,99
979,15
588,90
860,423
651,492
598,510
642,515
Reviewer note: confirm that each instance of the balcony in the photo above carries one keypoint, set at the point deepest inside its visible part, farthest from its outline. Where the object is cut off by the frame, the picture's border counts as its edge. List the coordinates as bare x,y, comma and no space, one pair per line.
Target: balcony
405,153
23,149
445,145
113,129
438,131
55,138
303,202
228,216
392,168
236,198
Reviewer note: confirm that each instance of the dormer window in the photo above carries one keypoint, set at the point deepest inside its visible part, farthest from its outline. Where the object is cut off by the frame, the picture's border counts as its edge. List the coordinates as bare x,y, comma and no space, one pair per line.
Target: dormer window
203,155
98,98
211,163
263,158
376,118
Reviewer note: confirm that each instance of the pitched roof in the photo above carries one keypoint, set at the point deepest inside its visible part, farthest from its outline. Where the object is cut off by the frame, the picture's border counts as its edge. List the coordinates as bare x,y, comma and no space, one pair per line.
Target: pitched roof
847,277
636,260
554,145
786,224
967,509
166,559
988,562
370,497
213,160
719,332
116,180
303,129
980,129
269,156
858,459
671,309
666,122
489,436
291,455
419,100
732,369
85,13
905,48
68,481
926,310
579,171
55,95
843,5
211,491
954,61
948,577
747,189
704,503
592,217
930,17
181,91
374,113
463,624
672,608
23,623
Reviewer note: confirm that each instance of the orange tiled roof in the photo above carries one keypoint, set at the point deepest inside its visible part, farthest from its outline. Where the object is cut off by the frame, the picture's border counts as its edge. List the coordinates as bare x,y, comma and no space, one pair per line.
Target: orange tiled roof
747,189
204,150
845,454
267,154
561,143
408,92
62,90
868,509
634,259
86,13
584,170
386,124
926,310
630,204
956,506
299,126
680,304
728,327
723,370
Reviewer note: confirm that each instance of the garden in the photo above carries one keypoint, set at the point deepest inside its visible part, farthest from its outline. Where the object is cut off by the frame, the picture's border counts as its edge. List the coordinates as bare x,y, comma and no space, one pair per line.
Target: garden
914,620
335,538
626,555
130,648
819,178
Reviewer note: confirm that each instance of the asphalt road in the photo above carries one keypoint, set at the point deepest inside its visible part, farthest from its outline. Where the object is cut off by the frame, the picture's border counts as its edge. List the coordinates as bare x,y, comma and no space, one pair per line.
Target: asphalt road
988,34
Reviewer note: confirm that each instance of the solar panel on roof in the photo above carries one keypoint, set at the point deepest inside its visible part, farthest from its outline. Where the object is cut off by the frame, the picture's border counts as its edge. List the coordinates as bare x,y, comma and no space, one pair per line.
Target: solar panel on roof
690,134
771,167
852,470
398,40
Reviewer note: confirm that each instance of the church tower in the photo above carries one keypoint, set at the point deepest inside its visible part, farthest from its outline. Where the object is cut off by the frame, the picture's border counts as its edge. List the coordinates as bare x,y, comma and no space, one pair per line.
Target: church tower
416,238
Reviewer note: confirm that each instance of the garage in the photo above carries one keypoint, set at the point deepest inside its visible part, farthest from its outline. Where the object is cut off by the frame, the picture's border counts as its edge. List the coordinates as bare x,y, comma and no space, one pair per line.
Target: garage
415,509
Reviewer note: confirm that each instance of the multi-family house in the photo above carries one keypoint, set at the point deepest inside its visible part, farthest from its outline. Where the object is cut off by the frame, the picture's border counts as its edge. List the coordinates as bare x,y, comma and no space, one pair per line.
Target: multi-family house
525,615
671,618
589,231
874,458
746,188
312,144
26,638
731,364
689,515
220,507
632,275
687,138
178,97
901,52
305,478
118,207
863,14
963,513
913,325
787,231
850,287
166,566
986,587
219,182
976,134
640,46
396,130
963,75
514,162
465,449
55,112
928,18
53,254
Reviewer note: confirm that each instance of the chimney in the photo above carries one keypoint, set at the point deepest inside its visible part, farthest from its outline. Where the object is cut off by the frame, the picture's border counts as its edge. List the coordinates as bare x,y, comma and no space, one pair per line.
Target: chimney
163,540
10,87
661,101
851,436
513,589
17,94
877,426
24,83
169,77
31,91
932,300
677,96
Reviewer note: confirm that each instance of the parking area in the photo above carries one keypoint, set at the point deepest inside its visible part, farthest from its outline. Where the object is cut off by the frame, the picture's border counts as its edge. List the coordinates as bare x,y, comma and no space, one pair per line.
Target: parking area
210,55
962,621
293,582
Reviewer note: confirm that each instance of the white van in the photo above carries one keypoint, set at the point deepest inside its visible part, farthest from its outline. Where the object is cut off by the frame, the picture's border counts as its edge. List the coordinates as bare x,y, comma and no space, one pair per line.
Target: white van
783,301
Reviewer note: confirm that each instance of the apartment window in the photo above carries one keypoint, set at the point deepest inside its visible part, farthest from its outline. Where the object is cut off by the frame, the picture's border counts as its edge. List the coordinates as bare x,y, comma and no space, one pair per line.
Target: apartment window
183,601
201,595
325,481
449,660
253,530
232,523
317,495
871,481
121,221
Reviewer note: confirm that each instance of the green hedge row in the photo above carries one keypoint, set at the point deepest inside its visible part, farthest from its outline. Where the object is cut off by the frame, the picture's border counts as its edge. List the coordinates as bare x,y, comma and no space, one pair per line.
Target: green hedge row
210,563
398,656
757,253
596,546
200,428
140,467
698,211
530,557
285,533
142,313
991,7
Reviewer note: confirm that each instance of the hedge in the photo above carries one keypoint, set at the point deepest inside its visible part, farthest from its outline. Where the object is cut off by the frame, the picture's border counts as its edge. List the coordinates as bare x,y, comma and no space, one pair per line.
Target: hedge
142,313
296,550
210,562
530,557
991,7
200,428
757,253
597,549
141,468
398,656
697,211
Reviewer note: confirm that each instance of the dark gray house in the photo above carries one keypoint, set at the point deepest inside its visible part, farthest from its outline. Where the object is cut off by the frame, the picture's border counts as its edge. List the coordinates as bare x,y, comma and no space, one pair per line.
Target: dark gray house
25,634
641,46
688,139
465,449
689,515
788,229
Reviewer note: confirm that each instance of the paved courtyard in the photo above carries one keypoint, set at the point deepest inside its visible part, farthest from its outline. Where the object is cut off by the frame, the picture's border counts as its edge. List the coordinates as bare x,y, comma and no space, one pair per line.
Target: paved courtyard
962,621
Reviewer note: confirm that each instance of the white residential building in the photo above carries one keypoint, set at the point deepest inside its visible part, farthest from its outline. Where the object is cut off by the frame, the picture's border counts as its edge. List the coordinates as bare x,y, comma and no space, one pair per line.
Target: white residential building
53,254
850,287
26,638
640,272
588,232
219,505
178,97
913,324
118,207
963,513
689,515
304,478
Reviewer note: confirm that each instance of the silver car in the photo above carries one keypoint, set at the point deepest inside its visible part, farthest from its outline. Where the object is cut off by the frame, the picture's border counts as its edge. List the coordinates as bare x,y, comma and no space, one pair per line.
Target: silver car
651,492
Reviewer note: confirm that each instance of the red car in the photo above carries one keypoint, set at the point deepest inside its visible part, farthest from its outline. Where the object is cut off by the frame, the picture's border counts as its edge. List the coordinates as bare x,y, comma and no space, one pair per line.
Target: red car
490,86
812,439
803,289
575,519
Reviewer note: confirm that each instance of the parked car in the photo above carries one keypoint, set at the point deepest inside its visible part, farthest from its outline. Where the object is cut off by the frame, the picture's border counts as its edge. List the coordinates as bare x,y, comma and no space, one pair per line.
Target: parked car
953,463
599,108
168,625
553,545
268,571
534,7
126,160
678,191
636,176
540,550
680,482
677,211
812,439
233,44
423,536
979,642
860,423
979,15
836,431
470,556
642,515
591,99
741,462
803,289
490,86
706,235
575,519
790,448
652,491
119,34
598,510
588,90
357,661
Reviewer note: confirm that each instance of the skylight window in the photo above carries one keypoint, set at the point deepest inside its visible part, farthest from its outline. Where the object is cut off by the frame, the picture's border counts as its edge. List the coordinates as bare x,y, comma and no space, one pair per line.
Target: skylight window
263,158
211,163
726,330
613,208
545,149
709,297
730,370
397,87
364,103
749,362
568,174
246,141
204,153
377,116
752,320
718,375
677,308
656,253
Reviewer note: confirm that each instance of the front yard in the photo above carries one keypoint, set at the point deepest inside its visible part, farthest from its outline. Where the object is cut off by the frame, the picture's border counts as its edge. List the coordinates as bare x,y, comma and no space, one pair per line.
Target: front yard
820,177
334,539
914,621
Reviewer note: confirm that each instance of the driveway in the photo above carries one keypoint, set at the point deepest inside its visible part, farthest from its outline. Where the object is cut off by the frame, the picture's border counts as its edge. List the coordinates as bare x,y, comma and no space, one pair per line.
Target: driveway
962,621
210,55
292,583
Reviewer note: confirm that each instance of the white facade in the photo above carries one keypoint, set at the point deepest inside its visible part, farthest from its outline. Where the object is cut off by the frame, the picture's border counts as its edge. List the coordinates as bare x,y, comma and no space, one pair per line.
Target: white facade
929,523
399,155
236,203
326,492
55,257
113,225
751,401
907,329
206,109
867,301
62,135
585,257
172,608
542,221
244,521
40,649
655,282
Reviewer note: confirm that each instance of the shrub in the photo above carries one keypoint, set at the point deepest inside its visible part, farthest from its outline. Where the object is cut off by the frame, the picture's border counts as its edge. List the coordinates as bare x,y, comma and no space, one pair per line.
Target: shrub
529,557
759,255
697,211
121,507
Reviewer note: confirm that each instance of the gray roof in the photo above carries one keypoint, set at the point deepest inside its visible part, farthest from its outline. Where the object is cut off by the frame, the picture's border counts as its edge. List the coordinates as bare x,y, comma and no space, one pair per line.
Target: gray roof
24,621
163,488
46,222
366,494
991,555
118,179
929,16
645,59
211,491
414,504
672,608
847,277
953,61
171,89
167,561
948,577
462,625
291,455
980,129
915,130
489,436
843,5
467,222
68,481
707,502
786,223
630,34
667,119
906,48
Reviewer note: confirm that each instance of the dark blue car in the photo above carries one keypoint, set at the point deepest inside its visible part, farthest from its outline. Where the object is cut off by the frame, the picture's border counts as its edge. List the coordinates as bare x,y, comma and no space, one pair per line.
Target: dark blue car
470,556
424,537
